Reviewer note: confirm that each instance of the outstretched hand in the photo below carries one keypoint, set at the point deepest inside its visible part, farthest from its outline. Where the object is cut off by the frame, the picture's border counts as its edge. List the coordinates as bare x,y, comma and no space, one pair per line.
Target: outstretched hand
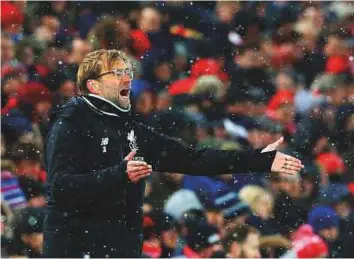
136,170
283,163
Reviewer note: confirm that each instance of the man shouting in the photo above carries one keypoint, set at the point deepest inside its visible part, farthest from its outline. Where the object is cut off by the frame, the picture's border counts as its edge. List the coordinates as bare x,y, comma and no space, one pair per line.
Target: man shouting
97,157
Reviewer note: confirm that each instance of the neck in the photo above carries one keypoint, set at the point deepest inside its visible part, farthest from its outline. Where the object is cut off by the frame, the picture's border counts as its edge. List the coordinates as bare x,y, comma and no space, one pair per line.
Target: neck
111,103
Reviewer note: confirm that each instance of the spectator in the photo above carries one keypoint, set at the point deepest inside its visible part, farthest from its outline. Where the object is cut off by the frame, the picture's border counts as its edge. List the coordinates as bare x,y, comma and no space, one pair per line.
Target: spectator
346,215
28,164
243,242
262,205
202,242
28,233
12,18
307,244
288,211
77,49
176,204
11,192
167,230
8,52
325,222
235,211
340,199
189,221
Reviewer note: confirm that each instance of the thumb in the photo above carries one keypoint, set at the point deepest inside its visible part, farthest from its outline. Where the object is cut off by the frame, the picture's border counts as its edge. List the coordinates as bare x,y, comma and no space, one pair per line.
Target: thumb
273,146
278,142
130,156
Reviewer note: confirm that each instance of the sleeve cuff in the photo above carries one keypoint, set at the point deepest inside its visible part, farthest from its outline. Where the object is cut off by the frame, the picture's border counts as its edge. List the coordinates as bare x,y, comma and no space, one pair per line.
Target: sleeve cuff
264,160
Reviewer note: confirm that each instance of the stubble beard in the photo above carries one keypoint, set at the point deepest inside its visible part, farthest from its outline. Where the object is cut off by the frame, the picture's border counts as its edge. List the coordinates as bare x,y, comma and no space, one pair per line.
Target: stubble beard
123,103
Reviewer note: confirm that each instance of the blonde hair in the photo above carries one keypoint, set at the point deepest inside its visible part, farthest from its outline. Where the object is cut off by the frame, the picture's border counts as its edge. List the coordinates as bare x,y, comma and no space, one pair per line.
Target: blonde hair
208,84
94,63
252,193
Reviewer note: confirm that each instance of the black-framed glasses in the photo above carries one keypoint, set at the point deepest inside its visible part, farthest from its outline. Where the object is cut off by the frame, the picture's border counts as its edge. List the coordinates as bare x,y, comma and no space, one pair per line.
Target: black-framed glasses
120,73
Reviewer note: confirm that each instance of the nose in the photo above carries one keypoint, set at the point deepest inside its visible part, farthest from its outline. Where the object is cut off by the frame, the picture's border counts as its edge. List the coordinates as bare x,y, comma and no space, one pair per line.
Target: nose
126,78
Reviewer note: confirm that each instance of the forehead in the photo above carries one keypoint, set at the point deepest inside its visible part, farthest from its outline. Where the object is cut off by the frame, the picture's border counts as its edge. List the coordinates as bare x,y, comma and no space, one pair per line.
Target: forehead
118,63
334,39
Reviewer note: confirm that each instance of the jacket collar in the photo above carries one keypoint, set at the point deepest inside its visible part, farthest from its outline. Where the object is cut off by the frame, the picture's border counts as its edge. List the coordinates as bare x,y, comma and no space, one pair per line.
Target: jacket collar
105,107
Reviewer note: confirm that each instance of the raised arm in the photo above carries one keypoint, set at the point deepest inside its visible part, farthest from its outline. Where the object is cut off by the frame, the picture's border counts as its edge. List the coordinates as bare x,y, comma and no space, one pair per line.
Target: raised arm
170,155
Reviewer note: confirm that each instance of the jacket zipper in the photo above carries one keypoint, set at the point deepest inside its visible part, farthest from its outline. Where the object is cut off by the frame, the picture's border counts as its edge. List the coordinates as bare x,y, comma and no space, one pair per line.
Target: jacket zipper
125,189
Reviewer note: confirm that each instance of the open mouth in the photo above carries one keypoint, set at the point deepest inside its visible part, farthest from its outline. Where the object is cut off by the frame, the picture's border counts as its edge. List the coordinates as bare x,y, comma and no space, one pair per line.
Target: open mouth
125,92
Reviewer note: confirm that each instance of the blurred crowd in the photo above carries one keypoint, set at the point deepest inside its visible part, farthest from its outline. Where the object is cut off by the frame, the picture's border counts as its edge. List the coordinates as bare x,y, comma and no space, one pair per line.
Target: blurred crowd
224,75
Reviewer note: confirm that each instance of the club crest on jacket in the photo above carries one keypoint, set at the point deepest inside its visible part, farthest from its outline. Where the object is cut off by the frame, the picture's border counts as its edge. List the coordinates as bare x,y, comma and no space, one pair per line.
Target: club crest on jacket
133,145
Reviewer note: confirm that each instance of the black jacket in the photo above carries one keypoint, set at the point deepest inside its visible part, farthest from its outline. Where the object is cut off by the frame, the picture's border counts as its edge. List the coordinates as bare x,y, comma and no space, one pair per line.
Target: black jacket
88,188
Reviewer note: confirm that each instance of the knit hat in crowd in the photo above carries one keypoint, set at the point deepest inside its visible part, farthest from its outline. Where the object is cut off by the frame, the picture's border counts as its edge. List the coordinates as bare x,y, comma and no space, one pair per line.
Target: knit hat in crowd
326,82
230,205
337,64
331,162
10,14
34,92
180,202
307,244
203,236
323,217
205,66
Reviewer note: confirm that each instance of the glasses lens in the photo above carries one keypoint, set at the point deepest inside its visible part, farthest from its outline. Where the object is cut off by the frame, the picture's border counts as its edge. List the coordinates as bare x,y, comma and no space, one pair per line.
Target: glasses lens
127,72
130,74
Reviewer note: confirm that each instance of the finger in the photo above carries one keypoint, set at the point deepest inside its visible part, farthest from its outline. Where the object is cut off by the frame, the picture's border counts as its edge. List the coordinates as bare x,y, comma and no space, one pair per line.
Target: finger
136,163
133,169
288,171
293,159
294,166
138,169
130,156
138,178
135,176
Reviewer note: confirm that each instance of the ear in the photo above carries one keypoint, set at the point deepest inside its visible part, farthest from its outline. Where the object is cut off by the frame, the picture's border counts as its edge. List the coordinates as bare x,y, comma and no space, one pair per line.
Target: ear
92,86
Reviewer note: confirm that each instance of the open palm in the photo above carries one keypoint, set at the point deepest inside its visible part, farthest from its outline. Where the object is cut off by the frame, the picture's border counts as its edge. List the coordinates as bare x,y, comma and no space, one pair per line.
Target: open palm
283,163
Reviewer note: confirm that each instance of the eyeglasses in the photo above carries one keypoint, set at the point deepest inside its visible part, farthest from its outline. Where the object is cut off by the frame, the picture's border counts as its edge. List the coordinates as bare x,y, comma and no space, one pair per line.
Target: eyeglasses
119,73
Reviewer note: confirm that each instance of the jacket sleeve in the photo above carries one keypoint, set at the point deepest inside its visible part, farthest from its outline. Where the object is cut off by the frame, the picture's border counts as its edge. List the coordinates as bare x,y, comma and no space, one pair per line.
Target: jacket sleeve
170,155
67,177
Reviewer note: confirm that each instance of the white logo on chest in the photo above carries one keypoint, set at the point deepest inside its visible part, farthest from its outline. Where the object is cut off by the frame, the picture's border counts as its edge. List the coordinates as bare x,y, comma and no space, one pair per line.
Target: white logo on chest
133,145
104,143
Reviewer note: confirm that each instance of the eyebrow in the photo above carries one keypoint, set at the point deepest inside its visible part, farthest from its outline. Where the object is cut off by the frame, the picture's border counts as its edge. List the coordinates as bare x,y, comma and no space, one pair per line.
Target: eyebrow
109,66
127,68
